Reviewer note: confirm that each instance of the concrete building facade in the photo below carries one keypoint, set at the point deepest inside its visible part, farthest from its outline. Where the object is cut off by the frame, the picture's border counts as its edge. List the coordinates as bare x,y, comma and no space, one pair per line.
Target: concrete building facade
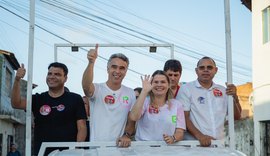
12,121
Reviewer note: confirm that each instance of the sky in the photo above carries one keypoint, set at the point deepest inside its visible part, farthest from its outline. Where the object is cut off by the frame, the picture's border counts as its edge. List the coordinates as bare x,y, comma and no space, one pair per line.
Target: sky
195,28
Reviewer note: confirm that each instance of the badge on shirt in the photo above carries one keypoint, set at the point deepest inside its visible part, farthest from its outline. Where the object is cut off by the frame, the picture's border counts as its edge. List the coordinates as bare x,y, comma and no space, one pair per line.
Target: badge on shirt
201,100
125,99
109,99
45,110
217,93
174,119
60,107
153,110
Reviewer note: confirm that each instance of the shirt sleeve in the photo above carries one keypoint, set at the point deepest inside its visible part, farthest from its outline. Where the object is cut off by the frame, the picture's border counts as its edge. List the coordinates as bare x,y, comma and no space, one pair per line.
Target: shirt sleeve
184,97
181,122
81,112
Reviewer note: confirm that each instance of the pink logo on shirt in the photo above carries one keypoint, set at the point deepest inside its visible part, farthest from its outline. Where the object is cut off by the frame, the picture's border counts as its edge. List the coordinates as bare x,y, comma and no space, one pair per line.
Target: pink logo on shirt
45,110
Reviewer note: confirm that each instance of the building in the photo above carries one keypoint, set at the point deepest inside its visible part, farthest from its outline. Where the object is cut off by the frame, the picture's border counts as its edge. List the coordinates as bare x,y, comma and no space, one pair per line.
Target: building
261,75
244,92
244,129
12,121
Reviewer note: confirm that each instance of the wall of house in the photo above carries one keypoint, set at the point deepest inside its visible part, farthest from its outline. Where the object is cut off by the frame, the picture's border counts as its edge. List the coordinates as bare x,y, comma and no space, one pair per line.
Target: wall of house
244,92
261,63
261,74
20,137
244,136
12,121
6,128
5,106
244,129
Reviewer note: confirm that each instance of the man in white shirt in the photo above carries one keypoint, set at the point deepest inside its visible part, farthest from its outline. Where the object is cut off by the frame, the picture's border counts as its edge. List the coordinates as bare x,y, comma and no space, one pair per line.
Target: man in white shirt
110,101
205,103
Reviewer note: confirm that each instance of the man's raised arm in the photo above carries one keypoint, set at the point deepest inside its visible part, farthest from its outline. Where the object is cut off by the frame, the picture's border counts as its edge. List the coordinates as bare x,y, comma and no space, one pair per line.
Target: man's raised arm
16,100
87,80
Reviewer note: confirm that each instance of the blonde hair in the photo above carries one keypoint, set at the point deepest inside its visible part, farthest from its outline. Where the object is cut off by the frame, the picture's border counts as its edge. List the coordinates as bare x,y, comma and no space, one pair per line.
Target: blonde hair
169,94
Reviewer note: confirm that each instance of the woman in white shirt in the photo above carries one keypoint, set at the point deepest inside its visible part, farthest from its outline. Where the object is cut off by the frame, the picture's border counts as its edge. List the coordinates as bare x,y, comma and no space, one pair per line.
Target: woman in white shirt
159,116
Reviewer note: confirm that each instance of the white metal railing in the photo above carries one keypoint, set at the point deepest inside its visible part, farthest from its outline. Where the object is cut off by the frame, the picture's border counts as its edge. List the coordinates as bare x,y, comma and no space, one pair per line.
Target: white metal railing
92,145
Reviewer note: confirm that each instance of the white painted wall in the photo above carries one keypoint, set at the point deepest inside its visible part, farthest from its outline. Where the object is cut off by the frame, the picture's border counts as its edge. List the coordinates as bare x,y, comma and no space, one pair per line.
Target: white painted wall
261,72
261,63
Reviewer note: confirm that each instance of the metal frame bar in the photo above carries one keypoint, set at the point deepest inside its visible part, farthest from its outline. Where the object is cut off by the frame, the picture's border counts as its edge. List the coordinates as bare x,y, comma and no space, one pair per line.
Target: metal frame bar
171,46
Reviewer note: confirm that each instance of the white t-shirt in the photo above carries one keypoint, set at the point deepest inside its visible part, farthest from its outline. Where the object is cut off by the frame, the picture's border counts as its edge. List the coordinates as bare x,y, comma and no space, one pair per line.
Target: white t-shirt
151,126
208,107
109,112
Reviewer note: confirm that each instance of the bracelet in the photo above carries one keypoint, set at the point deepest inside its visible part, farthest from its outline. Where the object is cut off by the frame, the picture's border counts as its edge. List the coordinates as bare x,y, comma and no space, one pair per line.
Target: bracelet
127,134
174,139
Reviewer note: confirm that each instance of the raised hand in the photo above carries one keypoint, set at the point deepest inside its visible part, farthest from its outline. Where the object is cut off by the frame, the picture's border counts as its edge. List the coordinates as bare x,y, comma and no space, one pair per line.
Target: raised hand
92,54
146,83
20,72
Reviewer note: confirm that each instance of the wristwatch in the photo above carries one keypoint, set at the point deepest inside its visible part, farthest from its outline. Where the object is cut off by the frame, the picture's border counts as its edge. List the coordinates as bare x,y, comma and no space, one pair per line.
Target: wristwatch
173,137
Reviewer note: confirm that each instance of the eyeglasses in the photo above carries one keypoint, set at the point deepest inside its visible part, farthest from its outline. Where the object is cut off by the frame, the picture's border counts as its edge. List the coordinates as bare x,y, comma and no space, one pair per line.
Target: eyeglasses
205,67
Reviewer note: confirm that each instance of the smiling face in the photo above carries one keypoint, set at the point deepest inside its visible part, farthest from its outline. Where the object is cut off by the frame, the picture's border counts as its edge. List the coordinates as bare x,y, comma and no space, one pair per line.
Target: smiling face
160,85
117,70
56,78
206,70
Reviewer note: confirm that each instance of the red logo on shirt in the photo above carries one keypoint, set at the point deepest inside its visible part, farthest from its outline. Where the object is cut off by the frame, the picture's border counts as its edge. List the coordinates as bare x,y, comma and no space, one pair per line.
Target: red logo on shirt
217,93
153,109
109,99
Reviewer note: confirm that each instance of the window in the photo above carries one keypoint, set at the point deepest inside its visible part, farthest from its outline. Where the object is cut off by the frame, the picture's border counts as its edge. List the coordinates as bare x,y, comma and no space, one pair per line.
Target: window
8,82
266,24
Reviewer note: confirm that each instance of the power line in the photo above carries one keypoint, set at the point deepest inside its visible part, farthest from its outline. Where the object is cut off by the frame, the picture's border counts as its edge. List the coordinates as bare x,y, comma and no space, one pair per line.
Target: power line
123,27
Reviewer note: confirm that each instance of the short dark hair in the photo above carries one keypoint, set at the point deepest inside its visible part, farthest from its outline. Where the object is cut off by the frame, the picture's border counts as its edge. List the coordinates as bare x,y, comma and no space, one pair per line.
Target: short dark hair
59,65
138,89
173,65
206,58
120,56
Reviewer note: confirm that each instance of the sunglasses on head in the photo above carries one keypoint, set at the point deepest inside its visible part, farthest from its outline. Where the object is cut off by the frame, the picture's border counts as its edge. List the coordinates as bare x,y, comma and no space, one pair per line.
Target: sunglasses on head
205,67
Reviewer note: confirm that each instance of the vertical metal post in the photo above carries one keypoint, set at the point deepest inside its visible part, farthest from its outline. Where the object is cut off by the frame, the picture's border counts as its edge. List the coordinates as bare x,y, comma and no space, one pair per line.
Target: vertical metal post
172,51
55,53
229,71
28,131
